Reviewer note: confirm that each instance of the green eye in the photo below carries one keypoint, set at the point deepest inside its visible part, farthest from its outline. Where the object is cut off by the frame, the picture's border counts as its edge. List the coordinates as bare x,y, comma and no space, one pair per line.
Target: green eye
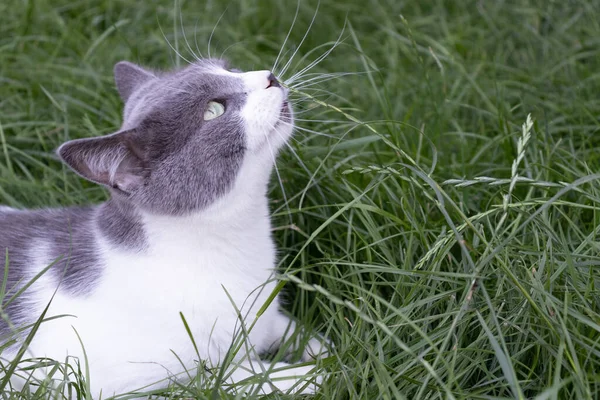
214,110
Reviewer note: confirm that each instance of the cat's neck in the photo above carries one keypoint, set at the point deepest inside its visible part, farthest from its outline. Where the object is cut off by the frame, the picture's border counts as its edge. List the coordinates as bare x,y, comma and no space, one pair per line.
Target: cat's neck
120,224
243,209
233,223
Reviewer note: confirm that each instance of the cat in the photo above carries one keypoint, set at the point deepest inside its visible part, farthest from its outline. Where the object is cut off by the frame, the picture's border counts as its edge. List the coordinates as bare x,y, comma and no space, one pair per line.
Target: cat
186,229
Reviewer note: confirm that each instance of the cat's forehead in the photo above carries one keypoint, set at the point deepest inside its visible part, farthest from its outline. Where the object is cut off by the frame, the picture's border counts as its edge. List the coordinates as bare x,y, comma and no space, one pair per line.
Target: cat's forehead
210,70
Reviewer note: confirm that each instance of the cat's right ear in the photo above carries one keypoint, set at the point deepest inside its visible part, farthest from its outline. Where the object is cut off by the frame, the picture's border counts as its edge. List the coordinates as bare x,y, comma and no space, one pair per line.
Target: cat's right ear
129,77
116,160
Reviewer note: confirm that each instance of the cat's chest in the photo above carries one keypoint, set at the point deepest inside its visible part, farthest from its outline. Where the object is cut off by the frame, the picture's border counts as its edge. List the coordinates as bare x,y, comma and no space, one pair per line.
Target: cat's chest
208,276
191,268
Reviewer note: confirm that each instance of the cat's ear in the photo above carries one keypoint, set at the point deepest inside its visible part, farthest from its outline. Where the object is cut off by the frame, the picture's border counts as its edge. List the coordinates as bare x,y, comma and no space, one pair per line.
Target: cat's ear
116,160
129,77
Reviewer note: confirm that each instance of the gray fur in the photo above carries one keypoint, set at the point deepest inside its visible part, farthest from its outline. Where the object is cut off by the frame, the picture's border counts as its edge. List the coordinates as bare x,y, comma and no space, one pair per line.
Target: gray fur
68,235
165,160
129,77
120,225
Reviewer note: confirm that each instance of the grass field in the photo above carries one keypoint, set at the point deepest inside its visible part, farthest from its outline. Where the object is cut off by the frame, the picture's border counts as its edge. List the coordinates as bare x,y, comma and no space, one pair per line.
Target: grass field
446,246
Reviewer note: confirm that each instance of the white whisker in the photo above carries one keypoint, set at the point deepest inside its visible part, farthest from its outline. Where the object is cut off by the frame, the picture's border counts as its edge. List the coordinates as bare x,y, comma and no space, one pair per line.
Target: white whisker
173,48
231,46
196,37
184,35
323,121
324,78
309,130
213,30
320,58
286,38
318,93
304,167
286,66
279,178
301,201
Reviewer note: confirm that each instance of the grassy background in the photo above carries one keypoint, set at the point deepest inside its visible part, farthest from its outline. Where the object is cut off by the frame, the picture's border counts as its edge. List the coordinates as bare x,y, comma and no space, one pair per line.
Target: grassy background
399,230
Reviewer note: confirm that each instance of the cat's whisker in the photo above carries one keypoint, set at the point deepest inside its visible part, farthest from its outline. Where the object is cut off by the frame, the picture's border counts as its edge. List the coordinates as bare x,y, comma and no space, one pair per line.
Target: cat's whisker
323,121
324,78
314,63
303,112
291,137
315,76
340,139
312,74
309,130
285,53
214,29
231,46
285,199
299,105
304,107
173,48
323,56
302,164
308,94
287,65
308,100
300,101
286,39
322,95
196,38
184,35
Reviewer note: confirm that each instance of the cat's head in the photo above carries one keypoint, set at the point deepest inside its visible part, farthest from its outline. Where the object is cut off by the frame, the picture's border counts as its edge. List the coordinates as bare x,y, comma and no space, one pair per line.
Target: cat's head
186,135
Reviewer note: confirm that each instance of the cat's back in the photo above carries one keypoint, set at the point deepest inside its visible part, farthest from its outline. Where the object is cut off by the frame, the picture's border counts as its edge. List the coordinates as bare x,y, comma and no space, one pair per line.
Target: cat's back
49,247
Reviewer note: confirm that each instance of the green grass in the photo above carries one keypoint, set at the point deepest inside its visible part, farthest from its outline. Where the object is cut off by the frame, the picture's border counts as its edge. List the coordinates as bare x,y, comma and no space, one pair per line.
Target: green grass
447,251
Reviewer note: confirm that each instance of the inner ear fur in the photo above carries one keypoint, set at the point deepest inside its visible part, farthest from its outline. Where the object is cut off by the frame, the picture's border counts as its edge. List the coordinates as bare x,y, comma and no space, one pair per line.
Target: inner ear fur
116,160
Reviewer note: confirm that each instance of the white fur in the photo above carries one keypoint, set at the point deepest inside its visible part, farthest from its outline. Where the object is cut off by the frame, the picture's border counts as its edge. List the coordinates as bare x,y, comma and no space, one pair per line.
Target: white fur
205,266
262,111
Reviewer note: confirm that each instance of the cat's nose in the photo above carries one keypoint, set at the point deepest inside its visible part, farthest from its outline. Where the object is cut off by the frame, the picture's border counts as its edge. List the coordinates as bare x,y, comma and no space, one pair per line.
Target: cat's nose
260,80
272,81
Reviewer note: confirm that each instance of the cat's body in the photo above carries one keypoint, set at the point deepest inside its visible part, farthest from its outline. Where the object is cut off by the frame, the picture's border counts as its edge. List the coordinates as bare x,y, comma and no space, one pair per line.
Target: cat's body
187,231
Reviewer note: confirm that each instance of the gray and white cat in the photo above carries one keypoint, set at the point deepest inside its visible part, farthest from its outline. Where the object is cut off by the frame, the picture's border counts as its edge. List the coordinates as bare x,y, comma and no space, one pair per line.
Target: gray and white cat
187,229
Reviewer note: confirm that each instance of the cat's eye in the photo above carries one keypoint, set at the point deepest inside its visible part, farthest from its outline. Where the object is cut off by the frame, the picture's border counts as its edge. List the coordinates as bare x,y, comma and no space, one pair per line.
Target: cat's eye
213,110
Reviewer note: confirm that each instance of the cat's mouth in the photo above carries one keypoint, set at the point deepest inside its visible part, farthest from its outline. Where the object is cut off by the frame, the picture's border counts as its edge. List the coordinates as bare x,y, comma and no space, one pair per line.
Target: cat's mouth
285,113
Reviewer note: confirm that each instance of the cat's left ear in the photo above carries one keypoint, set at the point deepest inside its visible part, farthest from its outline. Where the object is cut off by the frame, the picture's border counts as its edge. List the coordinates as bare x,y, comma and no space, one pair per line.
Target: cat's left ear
115,161
129,77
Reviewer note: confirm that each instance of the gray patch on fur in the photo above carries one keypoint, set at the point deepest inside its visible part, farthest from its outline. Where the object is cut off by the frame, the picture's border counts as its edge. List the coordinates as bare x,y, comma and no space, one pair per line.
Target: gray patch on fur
68,234
120,225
